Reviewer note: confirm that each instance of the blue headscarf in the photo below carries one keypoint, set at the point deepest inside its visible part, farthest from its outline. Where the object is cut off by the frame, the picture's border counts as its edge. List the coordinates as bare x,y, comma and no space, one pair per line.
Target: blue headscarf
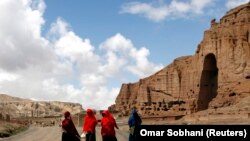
134,119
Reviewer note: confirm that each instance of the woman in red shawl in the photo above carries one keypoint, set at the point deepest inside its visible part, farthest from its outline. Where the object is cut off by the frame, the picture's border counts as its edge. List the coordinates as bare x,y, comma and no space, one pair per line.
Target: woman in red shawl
108,127
69,130
112,119
90,123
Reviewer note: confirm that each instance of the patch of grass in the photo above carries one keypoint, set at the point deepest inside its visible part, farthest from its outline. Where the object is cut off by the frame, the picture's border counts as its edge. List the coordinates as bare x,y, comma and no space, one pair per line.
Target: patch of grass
3,134
10,129
16,130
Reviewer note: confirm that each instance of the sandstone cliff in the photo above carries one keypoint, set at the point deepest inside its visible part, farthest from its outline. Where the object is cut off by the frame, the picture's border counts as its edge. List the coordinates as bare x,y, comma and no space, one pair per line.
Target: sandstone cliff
17,107
217,75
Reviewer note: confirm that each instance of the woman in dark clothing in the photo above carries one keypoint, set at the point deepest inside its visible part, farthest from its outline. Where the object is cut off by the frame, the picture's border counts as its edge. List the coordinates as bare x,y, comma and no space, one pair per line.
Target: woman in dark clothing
90,123
69,130
108,127
133,122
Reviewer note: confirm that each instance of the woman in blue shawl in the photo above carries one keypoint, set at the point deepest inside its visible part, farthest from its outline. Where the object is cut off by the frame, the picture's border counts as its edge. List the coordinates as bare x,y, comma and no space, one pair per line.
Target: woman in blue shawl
134,121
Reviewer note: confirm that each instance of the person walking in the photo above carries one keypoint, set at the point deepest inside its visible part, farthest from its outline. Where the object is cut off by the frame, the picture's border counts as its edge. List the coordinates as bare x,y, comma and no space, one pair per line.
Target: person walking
107,127
69,130
89,126
111,117
134,121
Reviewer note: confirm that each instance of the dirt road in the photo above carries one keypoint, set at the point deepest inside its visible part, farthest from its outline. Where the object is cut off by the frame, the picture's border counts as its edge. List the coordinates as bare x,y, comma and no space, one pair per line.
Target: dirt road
54,134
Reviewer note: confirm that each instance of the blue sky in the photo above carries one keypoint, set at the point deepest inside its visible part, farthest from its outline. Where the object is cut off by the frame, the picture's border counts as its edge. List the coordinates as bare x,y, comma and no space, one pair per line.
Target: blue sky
83,50
88,20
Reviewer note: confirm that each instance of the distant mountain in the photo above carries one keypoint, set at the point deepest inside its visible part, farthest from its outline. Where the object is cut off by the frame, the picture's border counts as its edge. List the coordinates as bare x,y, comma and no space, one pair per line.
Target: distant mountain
18,107
7,98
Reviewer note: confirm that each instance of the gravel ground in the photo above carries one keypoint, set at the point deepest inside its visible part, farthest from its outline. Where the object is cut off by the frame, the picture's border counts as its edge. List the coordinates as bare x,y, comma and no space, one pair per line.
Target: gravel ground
54,134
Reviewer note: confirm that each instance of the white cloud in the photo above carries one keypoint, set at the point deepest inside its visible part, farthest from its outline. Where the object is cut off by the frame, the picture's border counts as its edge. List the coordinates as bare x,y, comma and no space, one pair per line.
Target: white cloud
107,95
21,43
69,46
125,55
143,67
6,76
68,43
117,43
160,11
73,47
59,28
179,7
114,64
62,66
198,6
116,48
38,5
92,80
60,91
148,10
233,3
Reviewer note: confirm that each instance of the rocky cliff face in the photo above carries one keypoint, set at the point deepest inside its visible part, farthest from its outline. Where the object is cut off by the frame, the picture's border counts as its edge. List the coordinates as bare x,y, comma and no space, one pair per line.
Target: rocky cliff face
217,75
16,107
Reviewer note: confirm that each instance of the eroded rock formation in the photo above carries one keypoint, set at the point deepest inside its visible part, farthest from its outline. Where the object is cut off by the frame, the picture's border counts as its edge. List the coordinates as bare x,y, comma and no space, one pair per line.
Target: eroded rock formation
217,75
18,108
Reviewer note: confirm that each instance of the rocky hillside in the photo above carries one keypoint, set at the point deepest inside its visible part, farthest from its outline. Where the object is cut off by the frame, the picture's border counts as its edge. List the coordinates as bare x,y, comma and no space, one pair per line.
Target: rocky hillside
217,75
17,107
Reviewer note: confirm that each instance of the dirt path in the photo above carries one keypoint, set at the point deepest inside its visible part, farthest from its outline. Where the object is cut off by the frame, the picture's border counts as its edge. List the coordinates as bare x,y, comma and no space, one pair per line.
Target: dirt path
54,134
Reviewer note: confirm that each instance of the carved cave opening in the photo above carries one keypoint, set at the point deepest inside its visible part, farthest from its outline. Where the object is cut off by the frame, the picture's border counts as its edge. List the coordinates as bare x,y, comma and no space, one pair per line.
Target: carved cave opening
208,82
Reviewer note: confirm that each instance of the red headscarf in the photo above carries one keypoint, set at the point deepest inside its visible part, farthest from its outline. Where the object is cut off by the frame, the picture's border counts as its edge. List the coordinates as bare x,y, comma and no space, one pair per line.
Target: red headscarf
89,122
107,124
110,116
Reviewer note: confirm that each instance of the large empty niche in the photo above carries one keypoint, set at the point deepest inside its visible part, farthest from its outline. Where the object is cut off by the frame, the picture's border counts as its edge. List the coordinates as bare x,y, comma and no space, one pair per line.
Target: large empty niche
208,82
